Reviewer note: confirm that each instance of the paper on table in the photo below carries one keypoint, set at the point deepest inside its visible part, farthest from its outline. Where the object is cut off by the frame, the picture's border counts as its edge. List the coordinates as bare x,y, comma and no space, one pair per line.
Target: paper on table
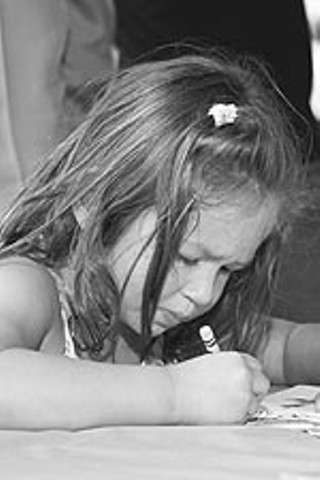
290,408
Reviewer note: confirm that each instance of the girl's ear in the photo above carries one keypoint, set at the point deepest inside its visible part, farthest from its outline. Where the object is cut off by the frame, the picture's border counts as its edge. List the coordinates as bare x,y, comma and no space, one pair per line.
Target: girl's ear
81,214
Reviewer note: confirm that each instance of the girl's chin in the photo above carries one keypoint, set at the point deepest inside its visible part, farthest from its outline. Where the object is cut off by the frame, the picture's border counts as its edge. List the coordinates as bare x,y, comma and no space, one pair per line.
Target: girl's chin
157,330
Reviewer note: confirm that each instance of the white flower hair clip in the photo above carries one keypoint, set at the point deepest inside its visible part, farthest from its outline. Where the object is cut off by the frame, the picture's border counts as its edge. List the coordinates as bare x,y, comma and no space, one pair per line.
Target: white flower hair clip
223,114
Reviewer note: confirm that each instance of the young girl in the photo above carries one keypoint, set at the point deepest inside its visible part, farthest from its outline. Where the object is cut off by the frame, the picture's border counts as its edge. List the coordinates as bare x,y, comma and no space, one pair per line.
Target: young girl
165,210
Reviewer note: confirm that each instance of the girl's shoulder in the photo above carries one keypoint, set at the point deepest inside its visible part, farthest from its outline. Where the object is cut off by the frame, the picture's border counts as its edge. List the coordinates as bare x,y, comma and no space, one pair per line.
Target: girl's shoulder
29,302
26,272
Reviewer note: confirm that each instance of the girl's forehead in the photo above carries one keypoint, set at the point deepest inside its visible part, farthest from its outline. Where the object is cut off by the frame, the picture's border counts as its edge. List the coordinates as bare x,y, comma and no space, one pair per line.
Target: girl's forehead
232,230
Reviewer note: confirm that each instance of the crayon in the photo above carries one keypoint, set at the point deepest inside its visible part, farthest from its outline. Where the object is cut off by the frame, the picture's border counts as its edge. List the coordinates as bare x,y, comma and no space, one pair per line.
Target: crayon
209,340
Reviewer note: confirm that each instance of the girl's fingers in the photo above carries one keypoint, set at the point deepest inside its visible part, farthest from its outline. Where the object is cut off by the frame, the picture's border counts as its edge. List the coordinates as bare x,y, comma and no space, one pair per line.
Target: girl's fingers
260,386
317,403
254,405
252,362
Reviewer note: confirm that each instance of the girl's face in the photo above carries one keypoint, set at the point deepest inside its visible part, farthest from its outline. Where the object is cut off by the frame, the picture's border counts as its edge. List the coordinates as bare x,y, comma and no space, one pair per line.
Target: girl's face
224,240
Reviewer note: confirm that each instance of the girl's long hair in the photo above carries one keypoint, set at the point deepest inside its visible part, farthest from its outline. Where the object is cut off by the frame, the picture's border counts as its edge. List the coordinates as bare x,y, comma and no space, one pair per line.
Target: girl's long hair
149,143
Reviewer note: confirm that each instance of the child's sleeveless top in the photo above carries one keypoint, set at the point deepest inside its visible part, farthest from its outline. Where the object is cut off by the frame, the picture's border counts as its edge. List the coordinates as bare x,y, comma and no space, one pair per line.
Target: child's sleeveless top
69,348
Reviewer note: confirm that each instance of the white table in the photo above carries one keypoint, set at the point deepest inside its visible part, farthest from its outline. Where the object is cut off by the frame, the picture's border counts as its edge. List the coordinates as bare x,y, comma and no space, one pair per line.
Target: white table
152,453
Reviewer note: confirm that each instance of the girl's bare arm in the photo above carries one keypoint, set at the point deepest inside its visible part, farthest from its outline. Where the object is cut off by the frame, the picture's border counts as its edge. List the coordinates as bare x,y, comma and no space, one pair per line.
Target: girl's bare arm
41,391
291,354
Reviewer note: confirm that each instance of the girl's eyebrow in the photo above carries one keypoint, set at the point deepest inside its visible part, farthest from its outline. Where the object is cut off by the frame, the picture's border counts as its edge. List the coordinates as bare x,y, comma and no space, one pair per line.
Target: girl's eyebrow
220,258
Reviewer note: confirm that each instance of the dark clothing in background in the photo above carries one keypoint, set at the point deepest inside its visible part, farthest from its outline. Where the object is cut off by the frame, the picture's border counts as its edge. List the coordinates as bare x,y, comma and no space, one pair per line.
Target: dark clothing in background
275,30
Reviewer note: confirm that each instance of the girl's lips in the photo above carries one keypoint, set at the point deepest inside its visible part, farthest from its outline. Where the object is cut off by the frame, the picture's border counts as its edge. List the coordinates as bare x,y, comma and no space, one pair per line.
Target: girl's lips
174,318
167,320
164,321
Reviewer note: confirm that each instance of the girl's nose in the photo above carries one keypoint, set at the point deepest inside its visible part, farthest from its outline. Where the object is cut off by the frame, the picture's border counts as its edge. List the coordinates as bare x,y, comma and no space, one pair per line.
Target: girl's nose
206,287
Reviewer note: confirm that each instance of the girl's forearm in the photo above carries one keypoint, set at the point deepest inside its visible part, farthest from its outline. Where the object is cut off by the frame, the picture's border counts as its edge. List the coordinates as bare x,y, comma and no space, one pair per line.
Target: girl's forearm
39,391
302,354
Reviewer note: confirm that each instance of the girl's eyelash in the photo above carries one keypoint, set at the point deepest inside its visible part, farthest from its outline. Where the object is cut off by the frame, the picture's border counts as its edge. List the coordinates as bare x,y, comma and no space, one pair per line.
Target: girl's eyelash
186,260
239,270
226,269
233,271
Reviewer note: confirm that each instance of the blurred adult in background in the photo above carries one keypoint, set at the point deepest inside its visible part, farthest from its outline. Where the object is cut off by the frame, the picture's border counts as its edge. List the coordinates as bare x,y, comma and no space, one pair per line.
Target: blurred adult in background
313,15
51,48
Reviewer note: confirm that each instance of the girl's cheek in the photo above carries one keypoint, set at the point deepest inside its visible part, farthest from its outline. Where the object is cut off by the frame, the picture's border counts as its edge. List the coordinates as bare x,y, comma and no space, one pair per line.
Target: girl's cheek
174,283
220,286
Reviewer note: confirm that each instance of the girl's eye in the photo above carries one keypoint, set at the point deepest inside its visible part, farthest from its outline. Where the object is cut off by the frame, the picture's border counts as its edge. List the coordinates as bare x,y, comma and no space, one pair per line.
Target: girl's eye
226,270
235,272
189,261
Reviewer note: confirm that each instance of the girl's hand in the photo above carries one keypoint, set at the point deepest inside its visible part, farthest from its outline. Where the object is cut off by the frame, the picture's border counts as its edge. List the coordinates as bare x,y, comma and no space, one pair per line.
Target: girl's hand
217,388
